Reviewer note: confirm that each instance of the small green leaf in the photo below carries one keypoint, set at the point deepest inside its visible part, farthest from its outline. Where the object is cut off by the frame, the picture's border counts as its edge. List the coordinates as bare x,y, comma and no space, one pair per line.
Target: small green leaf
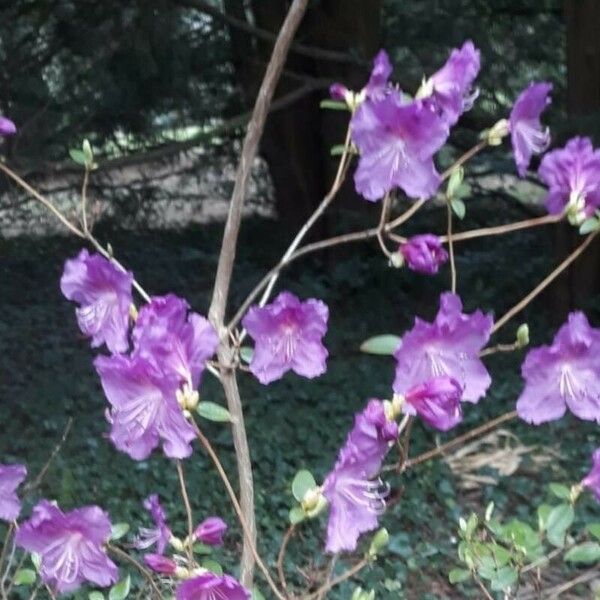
200,548
586,553
456,178
36,560
333,105
296,515
95,595
24,577
504,578
213,566
303,481
543,512
337,150
77,156
559,520
594,529
458,575
560,491
120,591
379,542
385,344
119,530
213,412
246,354
589,225
458,208
257,594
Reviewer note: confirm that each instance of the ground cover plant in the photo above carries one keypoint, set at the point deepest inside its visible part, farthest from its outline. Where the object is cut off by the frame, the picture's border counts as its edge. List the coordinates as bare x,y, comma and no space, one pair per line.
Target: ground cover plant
164,369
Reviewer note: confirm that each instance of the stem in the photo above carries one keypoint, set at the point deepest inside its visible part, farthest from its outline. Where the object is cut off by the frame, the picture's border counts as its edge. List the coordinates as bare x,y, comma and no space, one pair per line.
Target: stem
451,248
84,187
460,439
248,534
330,570
188,512
7,539
405,216
381,227
500,348
281,556
11,556
544,283
467,156
483,588
124,556
340,579
218,305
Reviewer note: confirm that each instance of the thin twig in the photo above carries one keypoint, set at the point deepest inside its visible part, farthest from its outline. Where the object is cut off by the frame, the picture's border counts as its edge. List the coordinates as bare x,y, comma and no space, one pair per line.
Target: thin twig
451,248
483,588
544,283
188,512
148,576
500,348
467,156
405,216
340,579
5,545
281,556
328,577
381,227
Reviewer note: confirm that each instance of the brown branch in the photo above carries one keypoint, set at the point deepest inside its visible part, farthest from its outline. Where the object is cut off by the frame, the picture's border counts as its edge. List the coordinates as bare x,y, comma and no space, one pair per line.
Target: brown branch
188,512
147,574
340,579
281,556
451,248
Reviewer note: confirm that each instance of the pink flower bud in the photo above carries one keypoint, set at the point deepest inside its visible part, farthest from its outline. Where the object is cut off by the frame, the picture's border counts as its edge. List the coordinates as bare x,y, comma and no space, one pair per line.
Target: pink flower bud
160,564
211,531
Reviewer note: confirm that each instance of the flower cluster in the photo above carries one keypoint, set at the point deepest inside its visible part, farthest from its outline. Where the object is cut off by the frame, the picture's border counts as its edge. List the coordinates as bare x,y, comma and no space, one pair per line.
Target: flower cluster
11,477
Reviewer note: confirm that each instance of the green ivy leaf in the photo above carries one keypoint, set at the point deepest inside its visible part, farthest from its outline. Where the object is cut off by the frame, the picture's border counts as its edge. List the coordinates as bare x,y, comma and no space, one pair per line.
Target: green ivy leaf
458,208
303,481
24,577
333,104
213,412
296,515
385,344
120,591
119,530
559,520
458,575
504,578
586,553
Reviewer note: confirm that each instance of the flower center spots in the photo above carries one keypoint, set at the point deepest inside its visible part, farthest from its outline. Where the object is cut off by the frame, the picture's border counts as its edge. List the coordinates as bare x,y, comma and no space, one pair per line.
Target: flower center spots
568,384
368,494
62,557
537,139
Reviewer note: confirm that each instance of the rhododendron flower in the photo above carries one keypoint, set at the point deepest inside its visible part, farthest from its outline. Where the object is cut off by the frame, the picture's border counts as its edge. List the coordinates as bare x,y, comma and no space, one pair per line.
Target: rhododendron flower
160,564
356,498
424,253
11,477
103,293
211,531
70,545
450,90
527,134
449,346
563,375
287,335
572,175
592,479
437,402
7,127
144,408
209,586
176,342
161,533
397,141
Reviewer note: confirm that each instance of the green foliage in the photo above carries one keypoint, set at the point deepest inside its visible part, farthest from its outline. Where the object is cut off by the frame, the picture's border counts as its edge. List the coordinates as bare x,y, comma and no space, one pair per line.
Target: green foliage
212,411
302,483
24,577
120,590
385,344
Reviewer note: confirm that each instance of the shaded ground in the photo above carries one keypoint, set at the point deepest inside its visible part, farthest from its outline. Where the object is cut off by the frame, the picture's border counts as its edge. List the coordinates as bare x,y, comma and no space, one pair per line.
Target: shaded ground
46,376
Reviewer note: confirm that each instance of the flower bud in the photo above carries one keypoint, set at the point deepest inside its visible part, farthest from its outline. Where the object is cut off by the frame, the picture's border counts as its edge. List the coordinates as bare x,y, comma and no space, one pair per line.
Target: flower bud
360,594
211,531
176,543
497,132
7,127
397,260
160,564
523,335
133,312
424,253
379,542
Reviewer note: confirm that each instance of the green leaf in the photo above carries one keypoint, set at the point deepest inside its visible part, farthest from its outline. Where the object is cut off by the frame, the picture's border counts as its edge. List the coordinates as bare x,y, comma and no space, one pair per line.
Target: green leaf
213,566
543,512
458,575
77,156
333,104
87,152
213,412
24,577
296,515
119,530
95,595
586,553
246,354
588,226
120,591
385,344
594,529
458,208
200,548
559,520
257,594
456,178
504,578
303,481
338,149
379,542
560,491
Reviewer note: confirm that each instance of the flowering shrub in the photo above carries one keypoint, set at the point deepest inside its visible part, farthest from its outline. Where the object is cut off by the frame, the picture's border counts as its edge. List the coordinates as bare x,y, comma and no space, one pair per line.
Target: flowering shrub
155,350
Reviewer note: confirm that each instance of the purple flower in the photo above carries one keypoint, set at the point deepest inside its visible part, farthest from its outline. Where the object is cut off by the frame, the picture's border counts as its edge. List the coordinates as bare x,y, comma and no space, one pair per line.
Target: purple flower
103,293
527,134
177,343
7,127
377,86
355,497
449,346
564,374
572,175
449,91
11,476
160,564
209,586
144,409
592,479
287,336
424,253
397,141
70,545
437,402
161,533
338,91
211,531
